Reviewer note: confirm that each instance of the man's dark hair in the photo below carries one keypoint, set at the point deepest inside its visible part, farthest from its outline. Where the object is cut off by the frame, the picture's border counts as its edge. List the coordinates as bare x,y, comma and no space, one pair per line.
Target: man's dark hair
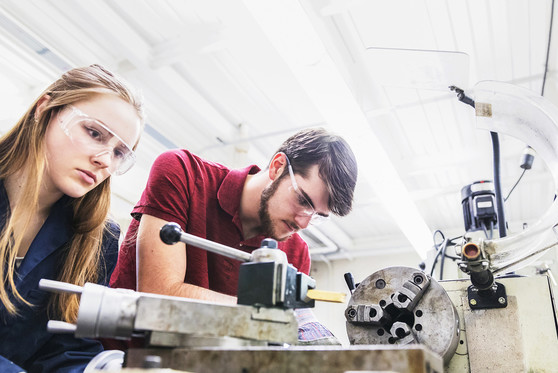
336,161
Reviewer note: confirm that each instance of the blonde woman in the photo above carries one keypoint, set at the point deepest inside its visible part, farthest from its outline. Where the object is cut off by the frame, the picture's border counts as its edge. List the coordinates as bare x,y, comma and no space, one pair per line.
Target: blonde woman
55,169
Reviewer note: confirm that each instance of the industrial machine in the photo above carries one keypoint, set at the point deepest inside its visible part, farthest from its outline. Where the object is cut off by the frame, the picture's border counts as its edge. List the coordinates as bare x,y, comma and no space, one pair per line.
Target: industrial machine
488,321
398,319
258,334
511,327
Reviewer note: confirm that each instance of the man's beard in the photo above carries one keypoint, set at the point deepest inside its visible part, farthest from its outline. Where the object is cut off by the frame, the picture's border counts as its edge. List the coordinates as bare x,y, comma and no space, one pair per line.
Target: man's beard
266,225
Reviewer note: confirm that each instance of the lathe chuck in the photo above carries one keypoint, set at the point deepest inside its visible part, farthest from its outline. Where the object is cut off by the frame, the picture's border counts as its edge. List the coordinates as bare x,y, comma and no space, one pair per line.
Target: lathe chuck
402,305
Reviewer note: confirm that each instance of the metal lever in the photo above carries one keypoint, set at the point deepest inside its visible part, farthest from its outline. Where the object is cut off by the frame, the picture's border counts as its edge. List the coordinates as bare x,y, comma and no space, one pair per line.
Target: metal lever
61,327
59,287
545,269
55,326
171,233
350,280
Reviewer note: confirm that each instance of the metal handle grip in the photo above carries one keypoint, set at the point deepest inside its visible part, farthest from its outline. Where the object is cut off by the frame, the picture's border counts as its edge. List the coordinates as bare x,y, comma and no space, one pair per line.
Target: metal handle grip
59,287
61,327
171,233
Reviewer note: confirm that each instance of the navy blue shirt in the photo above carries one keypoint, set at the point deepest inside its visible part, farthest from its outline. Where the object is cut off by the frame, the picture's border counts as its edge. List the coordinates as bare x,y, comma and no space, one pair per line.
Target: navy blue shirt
24,339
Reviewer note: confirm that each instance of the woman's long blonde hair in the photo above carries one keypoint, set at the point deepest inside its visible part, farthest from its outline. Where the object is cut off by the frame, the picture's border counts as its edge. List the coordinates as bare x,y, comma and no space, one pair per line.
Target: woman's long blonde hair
22,148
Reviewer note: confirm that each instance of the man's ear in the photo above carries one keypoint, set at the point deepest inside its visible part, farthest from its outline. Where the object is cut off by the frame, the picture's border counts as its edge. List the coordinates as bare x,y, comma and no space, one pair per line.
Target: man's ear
41,105
277,165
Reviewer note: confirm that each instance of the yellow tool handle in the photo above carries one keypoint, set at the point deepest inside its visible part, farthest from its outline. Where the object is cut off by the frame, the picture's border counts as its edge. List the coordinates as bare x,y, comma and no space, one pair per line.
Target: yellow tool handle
326,296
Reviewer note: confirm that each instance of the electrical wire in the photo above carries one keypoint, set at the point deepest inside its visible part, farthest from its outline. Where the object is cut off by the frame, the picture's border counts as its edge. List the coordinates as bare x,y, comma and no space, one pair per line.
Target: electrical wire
548,47
495,162
436,245
488,233
452,243
438,253
496,145
517,182
452,257
498,184
437,231
484,229
441,252
543,81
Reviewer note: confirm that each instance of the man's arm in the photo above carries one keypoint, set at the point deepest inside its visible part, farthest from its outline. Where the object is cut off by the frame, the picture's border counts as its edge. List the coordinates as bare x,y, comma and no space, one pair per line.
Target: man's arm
161,268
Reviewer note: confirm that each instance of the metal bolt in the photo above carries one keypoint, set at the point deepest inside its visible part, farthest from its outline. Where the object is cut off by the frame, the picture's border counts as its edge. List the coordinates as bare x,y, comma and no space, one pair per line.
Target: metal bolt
501,300
269,243
380,284
473,302
418,280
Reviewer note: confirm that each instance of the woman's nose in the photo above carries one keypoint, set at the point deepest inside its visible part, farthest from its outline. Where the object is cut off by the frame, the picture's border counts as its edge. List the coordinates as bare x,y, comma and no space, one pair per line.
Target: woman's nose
102,159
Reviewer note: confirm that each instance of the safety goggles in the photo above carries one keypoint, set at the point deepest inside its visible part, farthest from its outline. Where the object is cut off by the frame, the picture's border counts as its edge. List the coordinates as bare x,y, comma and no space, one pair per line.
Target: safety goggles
304,207
97,138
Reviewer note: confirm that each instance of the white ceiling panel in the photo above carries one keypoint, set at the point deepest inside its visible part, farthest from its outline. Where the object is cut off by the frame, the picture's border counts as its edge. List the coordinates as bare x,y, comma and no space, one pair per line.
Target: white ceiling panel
217,82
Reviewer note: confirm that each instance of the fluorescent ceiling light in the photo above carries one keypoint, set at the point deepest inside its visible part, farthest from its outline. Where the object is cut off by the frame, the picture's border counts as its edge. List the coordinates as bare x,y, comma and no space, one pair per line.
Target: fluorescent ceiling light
290,31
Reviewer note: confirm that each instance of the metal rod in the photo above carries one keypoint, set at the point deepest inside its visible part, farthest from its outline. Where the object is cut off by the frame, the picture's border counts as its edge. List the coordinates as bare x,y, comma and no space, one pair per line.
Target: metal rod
215,247
59,287
61,327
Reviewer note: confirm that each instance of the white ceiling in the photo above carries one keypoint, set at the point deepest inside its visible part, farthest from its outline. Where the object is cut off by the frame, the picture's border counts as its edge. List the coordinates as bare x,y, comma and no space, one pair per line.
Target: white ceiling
217,80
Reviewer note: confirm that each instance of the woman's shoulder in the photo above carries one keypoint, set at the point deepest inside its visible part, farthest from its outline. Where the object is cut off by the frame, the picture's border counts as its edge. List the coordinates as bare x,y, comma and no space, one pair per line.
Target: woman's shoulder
111,235
112,226
109,255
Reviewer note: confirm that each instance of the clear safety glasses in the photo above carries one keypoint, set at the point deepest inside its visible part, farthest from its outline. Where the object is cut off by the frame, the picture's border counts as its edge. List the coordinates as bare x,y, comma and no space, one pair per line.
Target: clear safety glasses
305,207
94,136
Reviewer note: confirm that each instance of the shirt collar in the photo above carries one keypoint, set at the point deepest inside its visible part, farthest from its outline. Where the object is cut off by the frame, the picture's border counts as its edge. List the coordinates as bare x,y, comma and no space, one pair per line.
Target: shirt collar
56,230
230,190
229,195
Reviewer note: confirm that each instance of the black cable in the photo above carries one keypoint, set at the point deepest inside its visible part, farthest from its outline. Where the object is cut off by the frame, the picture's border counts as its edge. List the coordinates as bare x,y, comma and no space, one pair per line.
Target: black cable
542,90
494,136
437,246
496,164
517,182
451,243
455,238
461,96
452,257
443,250
525,168
437,231
498,184
484,229
548,47
438,253
488,233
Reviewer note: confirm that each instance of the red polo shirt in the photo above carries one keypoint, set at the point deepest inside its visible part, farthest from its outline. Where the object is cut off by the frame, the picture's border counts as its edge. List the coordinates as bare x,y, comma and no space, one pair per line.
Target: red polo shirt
204,198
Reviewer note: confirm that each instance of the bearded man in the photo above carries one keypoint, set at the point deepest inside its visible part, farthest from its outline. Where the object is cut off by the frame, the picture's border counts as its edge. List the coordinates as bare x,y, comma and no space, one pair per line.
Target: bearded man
311,175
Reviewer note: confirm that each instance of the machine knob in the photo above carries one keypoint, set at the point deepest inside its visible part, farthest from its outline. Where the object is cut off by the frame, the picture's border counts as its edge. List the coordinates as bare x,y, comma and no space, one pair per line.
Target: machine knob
170,233
269,243
350,280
